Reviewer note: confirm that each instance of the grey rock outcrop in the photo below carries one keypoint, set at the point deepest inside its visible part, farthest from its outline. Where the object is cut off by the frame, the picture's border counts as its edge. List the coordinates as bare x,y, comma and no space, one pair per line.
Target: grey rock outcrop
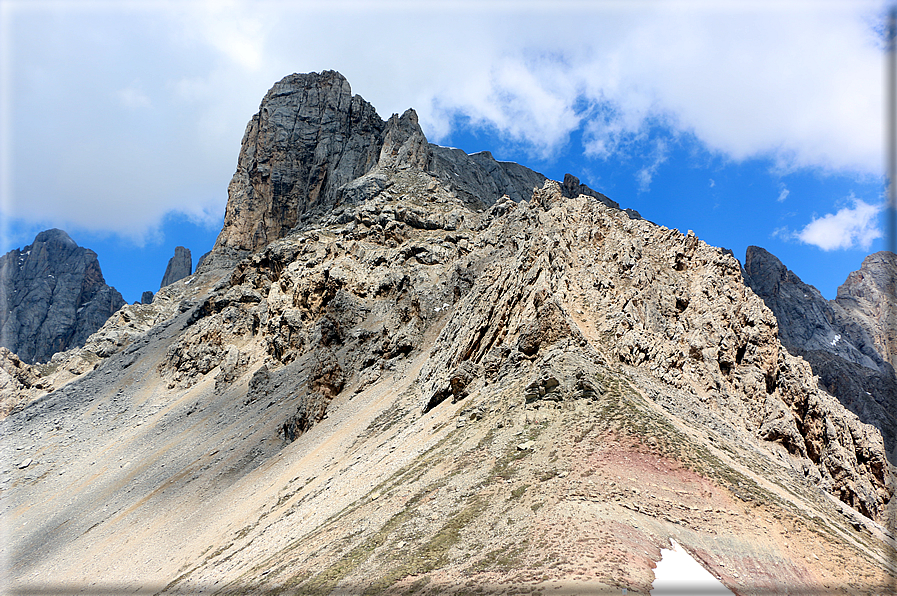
841,338
18,381
511,293
313,146
868,304
309,137
52,297
428,386
807,321
179,266
146,298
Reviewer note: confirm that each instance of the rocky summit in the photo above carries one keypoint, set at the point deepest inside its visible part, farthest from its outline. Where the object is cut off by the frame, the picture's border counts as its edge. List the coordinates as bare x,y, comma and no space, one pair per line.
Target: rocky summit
52,297
848,341
179,267
405,369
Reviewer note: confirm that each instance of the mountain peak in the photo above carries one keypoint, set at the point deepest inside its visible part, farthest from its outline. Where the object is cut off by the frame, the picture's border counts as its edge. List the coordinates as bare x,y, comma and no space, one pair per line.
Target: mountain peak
53,297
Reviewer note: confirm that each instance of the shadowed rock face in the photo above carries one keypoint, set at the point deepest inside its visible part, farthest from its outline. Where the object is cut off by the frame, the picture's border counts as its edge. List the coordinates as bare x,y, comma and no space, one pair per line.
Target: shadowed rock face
868,299
53,297
807,321
309,137
846,340
179,266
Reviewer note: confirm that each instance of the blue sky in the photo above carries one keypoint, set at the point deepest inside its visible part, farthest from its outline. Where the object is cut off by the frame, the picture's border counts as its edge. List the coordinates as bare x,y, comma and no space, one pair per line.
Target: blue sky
748,122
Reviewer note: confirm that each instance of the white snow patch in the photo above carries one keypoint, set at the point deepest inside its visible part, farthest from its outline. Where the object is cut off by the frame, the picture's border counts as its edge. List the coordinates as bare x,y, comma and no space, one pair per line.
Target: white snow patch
187,283
678,573
836,340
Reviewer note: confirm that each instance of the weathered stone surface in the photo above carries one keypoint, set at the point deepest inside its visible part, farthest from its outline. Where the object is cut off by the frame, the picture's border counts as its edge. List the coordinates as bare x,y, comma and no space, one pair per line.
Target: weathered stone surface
179,267
19,382
844,340
534,282
310,137
53,297
511,391
868,299
806,319
313,146
146,298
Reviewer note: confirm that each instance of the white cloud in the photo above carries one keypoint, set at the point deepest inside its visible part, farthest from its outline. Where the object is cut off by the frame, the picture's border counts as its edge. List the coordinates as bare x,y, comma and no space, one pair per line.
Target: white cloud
796,81
848,228
712,183
645,175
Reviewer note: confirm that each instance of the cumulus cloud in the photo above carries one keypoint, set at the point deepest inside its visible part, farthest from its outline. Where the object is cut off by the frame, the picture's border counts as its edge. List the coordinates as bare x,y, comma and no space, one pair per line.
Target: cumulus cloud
798,82
850,227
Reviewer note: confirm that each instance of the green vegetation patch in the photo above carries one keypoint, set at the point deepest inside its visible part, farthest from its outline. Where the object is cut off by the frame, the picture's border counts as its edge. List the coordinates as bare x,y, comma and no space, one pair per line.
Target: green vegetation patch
518,492
434,554
504,559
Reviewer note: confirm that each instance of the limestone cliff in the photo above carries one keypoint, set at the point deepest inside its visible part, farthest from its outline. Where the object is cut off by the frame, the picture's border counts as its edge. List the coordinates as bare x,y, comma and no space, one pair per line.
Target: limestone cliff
868,302
52,297
313,146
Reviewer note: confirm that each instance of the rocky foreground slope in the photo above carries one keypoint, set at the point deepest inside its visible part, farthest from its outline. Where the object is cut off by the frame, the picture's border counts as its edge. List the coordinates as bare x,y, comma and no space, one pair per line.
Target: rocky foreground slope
419,385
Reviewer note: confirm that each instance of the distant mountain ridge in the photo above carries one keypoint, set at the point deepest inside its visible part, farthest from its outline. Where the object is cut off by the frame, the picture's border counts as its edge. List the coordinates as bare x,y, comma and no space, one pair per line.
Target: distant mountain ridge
52,297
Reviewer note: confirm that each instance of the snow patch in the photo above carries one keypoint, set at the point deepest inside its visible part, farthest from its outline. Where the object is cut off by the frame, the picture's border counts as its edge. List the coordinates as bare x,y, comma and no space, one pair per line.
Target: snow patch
678,573
836,340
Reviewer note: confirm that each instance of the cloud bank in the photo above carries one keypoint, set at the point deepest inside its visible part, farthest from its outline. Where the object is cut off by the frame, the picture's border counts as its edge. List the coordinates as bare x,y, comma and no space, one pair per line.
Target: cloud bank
118,113
850,227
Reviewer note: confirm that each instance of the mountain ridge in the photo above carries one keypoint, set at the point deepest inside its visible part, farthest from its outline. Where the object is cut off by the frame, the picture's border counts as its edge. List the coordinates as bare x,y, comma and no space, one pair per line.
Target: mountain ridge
423,388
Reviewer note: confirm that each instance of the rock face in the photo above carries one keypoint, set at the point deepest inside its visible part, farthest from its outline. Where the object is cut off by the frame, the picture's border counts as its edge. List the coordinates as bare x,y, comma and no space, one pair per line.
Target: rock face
53,297
807,321
179,267
313,146
868,299
846,340
310,137
425,385
18,382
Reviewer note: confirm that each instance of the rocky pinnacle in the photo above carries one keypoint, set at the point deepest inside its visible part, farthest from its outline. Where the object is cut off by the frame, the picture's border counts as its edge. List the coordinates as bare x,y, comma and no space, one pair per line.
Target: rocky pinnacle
179,266
52,297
